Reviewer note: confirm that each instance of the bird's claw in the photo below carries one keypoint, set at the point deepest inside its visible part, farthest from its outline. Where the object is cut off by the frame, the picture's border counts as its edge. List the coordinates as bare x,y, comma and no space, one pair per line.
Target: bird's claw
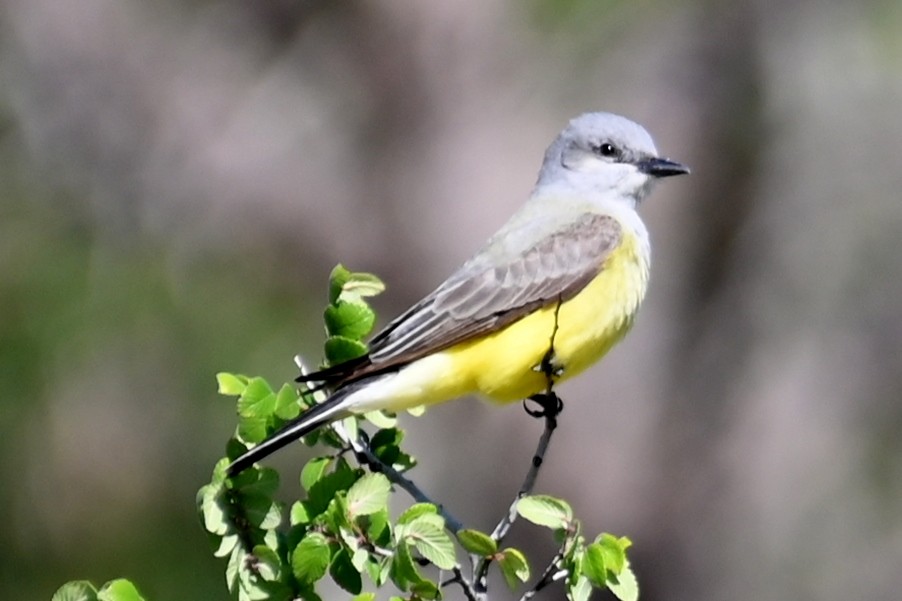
550,405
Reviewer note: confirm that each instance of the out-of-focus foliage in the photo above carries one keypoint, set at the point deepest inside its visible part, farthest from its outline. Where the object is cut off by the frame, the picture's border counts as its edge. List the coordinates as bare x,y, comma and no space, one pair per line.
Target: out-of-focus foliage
115,590
175,174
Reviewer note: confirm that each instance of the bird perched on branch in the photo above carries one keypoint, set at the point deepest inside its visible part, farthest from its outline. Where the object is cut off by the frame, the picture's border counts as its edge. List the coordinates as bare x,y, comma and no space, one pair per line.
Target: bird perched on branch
548,295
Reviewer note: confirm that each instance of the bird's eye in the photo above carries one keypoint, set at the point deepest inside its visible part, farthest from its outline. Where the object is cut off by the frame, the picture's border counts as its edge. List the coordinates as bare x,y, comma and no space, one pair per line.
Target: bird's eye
607,150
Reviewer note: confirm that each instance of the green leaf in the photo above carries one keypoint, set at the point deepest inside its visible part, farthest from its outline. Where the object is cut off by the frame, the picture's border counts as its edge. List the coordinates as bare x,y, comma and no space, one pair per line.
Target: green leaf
624,585
405,575
573,562
244,478
335,518
360,285
78,590
306,593
252,429
415,511
386,437
262,512
278,591
310,558
350,425
253,588
349,537
219,468
313,471
433,519
344,573
234,568
234,449
425,589
257,388
231,384
273,539
119,590
213,509
545,511
368,495
378,570
593,565
324,490
339,349
299,515
337,279
265,483
287,406
613,551
268,564
258,399
514,567
431,541
581,590
285,541
403,571
226,545
476,542
365,597
386,445
359,559
381,419
378,528
349,319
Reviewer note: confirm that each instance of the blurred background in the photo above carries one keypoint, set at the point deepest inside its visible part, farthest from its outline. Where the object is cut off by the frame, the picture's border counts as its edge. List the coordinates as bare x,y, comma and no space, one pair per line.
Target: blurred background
177,179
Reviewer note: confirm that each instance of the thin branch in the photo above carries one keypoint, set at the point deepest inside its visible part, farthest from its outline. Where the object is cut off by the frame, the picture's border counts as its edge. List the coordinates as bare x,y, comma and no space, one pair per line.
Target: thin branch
552,573
532,474
366,456
481,564
465,585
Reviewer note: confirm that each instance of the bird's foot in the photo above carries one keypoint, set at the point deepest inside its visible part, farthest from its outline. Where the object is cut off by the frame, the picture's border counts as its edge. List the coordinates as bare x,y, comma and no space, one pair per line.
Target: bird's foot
550,405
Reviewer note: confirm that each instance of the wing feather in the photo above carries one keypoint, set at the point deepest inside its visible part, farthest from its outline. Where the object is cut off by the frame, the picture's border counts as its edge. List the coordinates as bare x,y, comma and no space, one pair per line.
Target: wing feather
484,296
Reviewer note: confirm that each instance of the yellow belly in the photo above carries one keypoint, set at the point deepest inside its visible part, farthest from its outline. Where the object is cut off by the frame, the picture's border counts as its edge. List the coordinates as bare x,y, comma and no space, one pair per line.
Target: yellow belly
502,366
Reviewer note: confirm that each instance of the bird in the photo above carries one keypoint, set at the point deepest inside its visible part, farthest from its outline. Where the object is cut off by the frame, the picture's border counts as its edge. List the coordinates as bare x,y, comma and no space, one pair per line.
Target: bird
547,296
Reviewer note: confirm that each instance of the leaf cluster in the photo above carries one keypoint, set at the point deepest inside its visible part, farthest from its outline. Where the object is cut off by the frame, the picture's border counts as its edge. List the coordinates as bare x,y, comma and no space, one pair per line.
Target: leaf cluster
342,528
600,564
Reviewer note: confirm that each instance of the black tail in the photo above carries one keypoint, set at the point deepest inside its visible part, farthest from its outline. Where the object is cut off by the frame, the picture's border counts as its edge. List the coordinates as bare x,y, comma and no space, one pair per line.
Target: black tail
334,375
304,424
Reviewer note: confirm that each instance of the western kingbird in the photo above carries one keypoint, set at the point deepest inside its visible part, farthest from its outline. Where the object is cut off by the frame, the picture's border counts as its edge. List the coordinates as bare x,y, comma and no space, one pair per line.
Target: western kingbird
559,283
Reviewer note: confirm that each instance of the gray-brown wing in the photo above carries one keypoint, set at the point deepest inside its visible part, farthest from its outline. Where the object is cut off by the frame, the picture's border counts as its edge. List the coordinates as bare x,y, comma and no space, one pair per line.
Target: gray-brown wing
482,297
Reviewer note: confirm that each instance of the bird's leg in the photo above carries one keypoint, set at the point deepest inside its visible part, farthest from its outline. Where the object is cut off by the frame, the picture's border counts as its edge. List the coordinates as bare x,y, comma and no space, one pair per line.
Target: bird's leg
549,402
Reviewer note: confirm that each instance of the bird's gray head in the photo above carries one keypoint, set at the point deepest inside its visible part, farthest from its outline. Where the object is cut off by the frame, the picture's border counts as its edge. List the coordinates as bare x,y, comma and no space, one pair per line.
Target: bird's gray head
606,153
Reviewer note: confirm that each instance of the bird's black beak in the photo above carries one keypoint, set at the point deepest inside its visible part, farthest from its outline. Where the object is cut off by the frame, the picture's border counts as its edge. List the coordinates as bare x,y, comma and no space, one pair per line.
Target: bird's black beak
660,167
